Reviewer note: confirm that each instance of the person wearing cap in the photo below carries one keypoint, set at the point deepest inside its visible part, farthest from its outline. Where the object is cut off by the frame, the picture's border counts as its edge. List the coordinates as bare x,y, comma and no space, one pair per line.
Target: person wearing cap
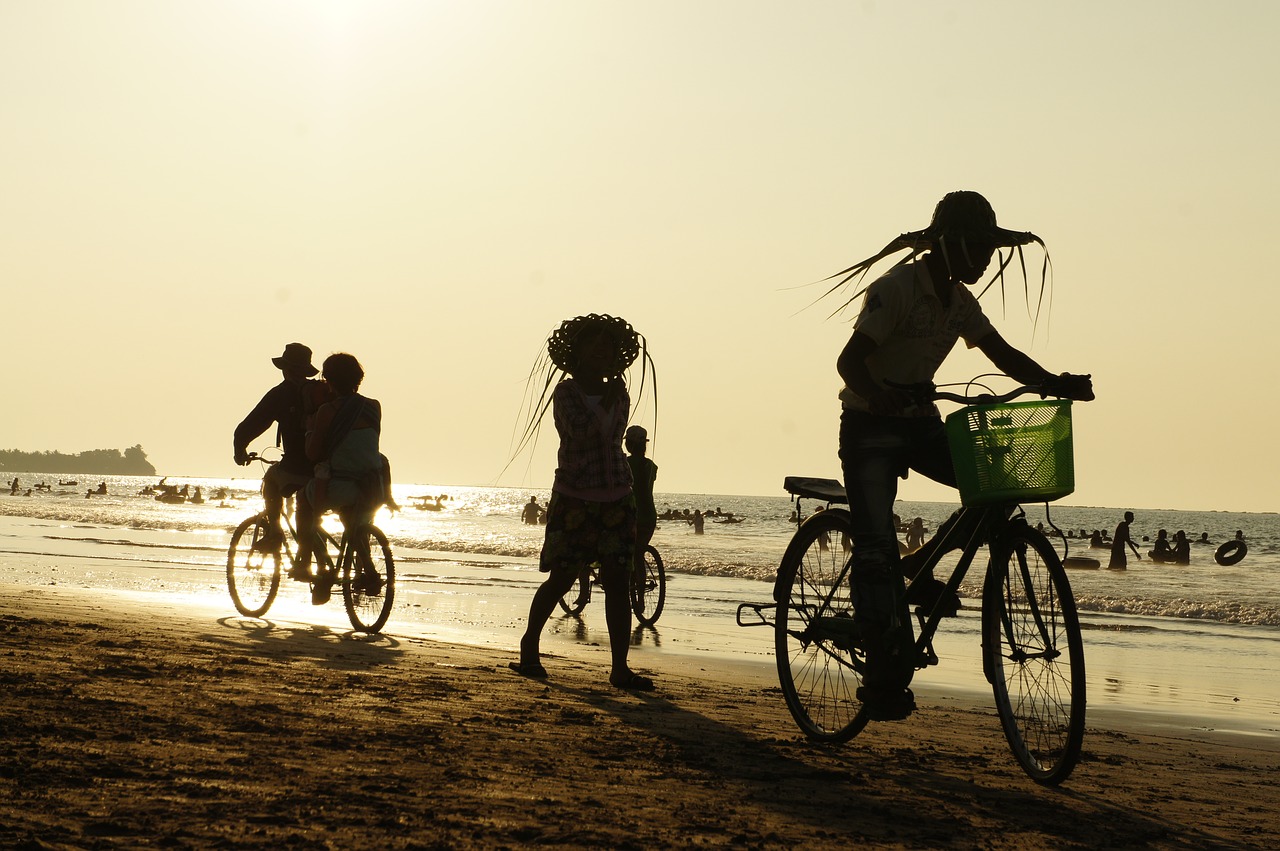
643,474
287,405
910,319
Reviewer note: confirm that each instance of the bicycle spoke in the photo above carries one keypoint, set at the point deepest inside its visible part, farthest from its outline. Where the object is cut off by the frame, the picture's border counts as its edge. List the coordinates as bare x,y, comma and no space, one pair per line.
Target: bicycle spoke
1035,655
253,576
816,648
368,579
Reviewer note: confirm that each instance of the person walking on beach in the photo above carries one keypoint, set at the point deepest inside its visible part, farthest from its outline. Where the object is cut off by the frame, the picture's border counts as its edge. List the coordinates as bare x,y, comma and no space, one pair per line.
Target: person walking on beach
591,519
287,406
911,318
1119,558
643,474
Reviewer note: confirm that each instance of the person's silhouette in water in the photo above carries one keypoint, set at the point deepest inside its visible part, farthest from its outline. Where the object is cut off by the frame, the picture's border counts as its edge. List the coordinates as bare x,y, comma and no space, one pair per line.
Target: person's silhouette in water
531,511
1121,540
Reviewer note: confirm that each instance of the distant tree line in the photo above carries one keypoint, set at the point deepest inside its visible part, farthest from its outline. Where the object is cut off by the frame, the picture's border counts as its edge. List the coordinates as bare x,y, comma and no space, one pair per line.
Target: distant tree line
106,462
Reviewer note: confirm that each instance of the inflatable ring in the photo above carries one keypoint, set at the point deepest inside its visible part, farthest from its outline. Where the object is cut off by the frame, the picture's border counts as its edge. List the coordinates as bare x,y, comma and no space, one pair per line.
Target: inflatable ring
1081,562
1231,553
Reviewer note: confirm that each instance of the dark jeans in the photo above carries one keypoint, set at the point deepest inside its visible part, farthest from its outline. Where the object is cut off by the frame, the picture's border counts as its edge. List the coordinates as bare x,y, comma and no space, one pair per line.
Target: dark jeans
874,452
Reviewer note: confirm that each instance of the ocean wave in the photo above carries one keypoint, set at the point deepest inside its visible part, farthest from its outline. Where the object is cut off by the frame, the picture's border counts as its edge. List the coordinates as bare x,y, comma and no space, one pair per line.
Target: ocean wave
1220,611
145,545
504,548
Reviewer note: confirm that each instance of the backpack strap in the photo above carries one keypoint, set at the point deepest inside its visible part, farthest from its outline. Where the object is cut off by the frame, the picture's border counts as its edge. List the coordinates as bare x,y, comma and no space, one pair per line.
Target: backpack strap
345,419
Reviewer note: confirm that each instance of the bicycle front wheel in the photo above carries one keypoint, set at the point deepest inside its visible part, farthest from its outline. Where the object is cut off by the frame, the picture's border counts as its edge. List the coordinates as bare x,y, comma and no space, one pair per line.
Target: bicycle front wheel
817,649
368,580
253,577
1033,654
649,589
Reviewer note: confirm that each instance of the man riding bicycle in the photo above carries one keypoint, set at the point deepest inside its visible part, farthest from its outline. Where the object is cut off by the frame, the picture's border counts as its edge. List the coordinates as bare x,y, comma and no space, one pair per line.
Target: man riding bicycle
288,405
911,318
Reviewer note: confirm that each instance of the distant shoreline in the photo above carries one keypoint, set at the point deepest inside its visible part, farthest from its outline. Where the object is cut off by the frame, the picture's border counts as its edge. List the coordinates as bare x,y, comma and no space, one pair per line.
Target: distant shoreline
97,462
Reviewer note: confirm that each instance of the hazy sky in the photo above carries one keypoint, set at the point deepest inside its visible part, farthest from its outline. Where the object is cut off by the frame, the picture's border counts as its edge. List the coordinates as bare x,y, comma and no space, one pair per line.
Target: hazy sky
433,186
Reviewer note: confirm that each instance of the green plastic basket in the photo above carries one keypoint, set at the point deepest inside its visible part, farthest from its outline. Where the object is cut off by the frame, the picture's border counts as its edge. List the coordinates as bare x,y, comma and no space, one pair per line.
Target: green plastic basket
1016,452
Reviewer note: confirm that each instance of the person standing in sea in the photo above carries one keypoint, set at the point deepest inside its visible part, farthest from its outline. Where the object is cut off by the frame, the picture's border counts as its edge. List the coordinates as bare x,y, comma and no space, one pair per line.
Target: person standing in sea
531,512
1119,558
287,406
591,518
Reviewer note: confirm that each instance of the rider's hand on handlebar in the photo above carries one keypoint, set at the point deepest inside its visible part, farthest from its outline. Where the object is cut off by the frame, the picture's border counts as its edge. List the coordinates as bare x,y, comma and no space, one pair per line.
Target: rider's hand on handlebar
1068,386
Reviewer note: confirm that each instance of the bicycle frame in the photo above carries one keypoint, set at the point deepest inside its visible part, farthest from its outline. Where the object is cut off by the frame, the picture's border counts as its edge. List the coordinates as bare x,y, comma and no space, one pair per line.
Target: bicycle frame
327,567
1032,651
970,529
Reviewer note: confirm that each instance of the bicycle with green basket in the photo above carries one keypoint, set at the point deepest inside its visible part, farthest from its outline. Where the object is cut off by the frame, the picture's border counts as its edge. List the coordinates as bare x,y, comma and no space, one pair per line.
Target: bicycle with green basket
1005,453
359,562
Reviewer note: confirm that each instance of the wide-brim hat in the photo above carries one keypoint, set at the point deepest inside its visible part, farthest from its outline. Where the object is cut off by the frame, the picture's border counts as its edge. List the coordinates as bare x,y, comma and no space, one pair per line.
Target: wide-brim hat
296,356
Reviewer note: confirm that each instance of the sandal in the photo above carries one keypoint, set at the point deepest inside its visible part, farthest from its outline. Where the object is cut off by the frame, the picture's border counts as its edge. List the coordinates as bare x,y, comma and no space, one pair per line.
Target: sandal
533,670
632,682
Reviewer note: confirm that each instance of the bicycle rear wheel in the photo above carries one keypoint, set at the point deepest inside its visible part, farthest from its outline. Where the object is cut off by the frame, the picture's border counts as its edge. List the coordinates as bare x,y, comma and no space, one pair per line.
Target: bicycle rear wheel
253,577
1033,654
815,643
368,579
578,595
649,590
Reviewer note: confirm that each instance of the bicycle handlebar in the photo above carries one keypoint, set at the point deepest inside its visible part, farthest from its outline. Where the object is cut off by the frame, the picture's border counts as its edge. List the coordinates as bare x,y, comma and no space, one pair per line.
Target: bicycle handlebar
926,393
260,458
988,398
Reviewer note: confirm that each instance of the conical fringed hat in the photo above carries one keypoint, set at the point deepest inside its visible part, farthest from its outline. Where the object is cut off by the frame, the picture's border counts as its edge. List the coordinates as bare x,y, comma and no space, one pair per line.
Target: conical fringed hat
960,220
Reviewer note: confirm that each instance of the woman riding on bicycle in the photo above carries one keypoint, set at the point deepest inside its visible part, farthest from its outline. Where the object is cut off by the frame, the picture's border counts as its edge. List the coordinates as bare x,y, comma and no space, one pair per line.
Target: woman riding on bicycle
343,444
911,318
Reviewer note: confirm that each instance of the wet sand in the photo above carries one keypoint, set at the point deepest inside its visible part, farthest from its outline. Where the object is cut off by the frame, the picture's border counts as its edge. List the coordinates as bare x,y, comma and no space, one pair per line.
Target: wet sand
135,719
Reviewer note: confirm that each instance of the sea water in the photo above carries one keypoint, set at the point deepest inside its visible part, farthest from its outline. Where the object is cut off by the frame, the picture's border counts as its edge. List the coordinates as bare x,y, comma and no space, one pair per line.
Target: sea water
1198,639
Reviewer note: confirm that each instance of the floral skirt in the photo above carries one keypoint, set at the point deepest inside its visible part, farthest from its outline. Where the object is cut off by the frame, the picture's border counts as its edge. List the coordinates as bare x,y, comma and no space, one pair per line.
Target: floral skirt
581,533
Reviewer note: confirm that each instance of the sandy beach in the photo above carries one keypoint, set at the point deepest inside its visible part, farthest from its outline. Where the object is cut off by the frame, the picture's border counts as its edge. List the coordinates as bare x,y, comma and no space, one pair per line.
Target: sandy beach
132,720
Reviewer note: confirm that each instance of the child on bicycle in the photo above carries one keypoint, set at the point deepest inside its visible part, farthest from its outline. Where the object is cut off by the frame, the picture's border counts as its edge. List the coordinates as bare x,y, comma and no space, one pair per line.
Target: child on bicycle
591,518
643,474
911,318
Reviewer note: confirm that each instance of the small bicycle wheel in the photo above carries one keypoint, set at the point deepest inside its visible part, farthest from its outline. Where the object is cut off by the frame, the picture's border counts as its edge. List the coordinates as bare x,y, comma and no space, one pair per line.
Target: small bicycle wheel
649,590
815,642
578,595
368,580
253,577
1033,654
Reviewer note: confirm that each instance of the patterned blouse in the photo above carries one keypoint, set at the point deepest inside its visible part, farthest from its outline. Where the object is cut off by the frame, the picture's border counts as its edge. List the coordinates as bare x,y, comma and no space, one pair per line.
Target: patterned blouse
591,463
